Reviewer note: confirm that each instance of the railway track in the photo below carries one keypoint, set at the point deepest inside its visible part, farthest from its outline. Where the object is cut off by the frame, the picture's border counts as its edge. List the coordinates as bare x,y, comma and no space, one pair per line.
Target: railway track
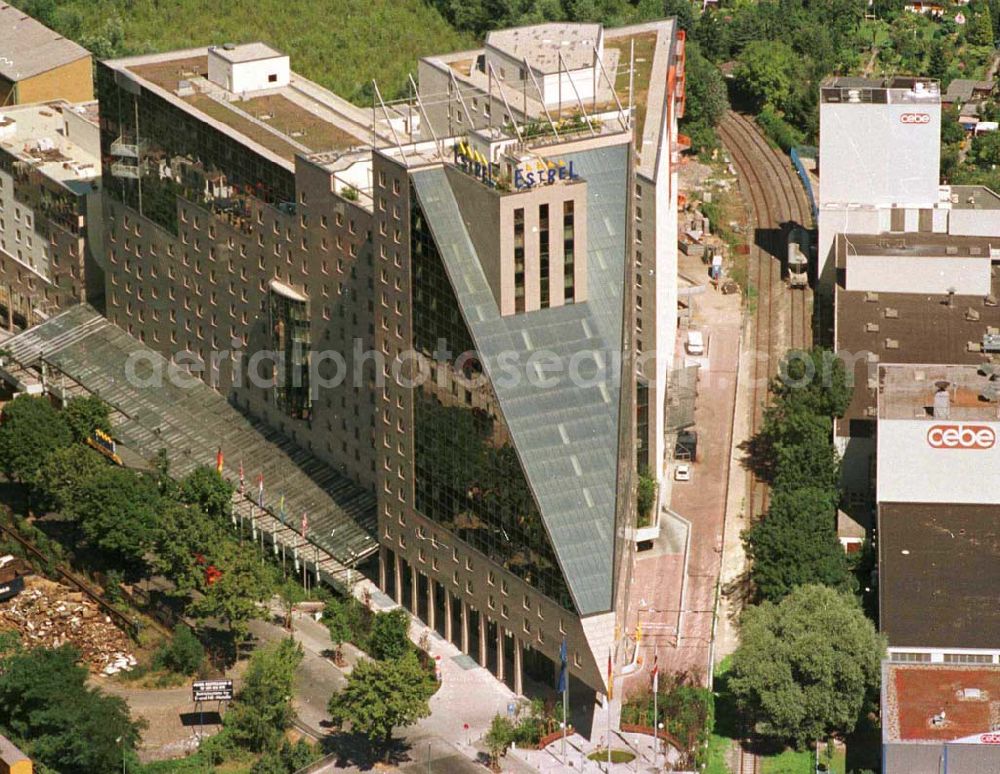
781,317
749,762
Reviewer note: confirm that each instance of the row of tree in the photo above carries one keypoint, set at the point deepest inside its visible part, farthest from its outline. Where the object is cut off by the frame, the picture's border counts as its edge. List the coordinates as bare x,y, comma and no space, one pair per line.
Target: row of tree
809,659
140,522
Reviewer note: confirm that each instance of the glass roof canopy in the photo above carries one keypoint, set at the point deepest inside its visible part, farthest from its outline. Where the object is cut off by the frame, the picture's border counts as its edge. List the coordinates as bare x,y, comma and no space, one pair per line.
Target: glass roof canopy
192,422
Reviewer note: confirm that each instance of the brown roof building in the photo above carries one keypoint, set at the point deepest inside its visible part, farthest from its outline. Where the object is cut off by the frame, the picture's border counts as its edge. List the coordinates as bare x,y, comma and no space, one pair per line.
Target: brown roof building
38,64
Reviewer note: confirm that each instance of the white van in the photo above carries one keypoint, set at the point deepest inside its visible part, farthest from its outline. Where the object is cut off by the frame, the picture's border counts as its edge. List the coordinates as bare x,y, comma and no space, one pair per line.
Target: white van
695,343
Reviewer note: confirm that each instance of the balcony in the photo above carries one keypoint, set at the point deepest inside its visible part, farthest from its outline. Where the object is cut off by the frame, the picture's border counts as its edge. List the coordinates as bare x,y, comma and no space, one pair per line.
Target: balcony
120,169
124,149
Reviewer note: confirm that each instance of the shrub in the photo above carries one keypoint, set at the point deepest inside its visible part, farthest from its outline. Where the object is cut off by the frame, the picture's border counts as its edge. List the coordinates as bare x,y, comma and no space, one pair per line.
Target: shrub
781,133
184,653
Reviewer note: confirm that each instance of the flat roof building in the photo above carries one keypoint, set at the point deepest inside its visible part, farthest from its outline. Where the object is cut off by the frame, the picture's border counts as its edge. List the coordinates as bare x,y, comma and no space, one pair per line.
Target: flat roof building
426,243
938,493
38,64
50,170
940,718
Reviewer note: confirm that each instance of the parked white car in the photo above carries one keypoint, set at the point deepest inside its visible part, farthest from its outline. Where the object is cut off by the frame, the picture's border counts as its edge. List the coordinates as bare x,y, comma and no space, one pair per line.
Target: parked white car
682,472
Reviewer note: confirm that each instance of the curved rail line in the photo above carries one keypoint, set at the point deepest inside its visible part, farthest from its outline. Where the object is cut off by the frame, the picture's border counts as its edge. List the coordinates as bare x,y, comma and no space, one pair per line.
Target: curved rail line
776,201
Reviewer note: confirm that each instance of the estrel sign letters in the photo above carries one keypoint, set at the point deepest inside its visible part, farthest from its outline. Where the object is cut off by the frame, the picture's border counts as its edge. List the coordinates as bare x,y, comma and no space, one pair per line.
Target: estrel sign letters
961,436
474,162
545,173
915,118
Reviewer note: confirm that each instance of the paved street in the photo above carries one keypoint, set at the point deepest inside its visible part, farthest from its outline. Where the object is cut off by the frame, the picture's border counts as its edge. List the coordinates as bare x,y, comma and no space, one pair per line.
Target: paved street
676,610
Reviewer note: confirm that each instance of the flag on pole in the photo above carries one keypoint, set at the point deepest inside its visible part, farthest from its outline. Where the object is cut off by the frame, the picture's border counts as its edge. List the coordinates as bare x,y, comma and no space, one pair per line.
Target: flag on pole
218,461
611,678
564,665
656,674
305,524
241,478
281,508
260,490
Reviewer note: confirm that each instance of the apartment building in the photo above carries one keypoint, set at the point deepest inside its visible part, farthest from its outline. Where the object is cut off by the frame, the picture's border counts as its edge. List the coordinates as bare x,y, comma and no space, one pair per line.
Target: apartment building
50,173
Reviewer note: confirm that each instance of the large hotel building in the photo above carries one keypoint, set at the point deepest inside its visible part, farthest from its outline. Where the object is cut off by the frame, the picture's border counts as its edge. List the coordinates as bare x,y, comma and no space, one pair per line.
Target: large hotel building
464,303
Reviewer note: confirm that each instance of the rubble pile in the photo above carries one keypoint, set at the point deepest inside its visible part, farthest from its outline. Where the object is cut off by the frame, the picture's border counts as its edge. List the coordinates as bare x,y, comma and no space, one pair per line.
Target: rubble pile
48,615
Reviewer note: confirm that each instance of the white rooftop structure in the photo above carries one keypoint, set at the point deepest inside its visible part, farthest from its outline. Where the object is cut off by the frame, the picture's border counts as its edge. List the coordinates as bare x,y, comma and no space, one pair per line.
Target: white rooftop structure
541,44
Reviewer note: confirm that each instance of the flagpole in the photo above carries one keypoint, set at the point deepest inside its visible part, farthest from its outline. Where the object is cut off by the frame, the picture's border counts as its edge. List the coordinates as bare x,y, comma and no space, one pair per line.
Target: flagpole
565,717
656,724
611,690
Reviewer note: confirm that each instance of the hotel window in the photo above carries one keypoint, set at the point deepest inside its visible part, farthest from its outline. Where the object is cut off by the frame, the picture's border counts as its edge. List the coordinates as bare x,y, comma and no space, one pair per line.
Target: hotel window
569,248
543,253
519,259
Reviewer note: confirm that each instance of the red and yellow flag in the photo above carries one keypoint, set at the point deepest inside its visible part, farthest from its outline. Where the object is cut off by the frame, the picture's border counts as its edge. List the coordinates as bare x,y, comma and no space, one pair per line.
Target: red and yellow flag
218,461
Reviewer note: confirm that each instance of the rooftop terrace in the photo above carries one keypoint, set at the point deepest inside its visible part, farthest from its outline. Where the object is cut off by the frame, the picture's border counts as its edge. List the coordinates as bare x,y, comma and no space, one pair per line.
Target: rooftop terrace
36,134
300,118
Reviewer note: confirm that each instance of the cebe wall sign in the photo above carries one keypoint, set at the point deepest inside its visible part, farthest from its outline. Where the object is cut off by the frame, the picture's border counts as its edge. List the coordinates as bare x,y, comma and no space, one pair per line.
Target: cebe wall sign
961,436
915,118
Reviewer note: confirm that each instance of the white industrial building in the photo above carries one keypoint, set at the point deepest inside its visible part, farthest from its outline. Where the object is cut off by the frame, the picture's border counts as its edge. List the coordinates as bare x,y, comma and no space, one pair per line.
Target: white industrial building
880,168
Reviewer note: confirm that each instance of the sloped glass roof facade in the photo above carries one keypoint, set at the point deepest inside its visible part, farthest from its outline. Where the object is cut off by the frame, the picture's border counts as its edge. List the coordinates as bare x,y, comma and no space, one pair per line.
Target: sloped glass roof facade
564,431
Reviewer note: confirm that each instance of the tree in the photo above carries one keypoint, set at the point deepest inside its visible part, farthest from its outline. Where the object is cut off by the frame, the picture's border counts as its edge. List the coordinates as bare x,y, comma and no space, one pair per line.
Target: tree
45,705
979,30
707,97
337,620
187,542
767,71
235,598
65,473
806,667
31,430
381,695
814,381
796,544
263,709
390,636
84,415
807,460
985,150
118,512
498,739
208,490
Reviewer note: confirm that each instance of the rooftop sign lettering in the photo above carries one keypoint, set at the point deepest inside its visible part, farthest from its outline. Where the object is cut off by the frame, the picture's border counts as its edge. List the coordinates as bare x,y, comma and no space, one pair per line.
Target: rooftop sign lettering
959,436
545,173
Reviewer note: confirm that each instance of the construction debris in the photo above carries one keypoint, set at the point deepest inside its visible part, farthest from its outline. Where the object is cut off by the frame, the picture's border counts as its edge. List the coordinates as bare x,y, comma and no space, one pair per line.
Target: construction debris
48,615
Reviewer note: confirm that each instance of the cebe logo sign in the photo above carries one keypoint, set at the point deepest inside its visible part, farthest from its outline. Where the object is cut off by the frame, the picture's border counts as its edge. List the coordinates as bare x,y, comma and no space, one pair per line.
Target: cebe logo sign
989,739
961,437
915,118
